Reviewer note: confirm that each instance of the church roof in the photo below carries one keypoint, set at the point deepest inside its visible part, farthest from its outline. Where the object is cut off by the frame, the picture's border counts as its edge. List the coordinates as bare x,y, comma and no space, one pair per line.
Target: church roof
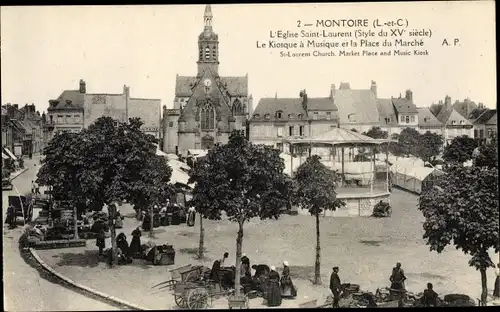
360,103
236,86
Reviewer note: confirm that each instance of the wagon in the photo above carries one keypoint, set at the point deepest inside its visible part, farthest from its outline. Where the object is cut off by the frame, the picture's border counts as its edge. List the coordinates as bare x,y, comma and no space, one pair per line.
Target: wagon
187,273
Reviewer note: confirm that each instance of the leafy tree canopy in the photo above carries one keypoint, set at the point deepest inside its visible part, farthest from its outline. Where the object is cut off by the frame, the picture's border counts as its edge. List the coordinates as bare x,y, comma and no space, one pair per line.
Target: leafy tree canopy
408,139
459,150
315,186
429,146
488,154
462,209
242,179
106,163
376,133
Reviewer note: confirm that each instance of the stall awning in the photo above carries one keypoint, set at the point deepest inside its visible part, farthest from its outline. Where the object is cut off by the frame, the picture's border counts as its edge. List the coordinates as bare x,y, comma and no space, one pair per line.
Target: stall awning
10,153
5,156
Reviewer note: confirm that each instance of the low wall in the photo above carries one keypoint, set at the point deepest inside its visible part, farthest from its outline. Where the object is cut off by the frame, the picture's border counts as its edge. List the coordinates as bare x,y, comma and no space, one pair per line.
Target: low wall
357,205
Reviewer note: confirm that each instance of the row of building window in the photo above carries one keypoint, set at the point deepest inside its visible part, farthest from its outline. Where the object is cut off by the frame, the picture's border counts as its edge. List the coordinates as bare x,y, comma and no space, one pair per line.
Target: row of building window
61,119
291,131
279,115
480,134
407,119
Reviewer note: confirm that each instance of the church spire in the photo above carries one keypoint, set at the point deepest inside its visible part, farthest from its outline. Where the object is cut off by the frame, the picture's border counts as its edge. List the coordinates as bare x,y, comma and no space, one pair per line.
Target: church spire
207,17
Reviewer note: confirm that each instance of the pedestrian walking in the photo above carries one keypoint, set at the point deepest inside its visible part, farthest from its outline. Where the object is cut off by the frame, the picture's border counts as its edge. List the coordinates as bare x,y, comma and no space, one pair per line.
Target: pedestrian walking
496,290
335,286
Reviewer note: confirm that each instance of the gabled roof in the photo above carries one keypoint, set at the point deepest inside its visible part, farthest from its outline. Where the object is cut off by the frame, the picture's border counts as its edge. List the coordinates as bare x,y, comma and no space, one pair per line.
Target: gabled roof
475,113
493,119
272,105
386,110
450,115
435,108
404,106
358,104
236,86
427,119
464,108
321,104
485,116
75,98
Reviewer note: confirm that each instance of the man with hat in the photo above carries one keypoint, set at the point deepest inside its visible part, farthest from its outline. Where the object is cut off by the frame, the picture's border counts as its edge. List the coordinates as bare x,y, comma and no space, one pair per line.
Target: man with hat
335,286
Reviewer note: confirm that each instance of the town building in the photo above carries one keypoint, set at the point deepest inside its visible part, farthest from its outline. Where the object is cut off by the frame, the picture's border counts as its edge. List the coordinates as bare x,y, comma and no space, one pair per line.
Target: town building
484,123
427,122
396,114
277,118
65,114
33,122
121,107
454,118
19,135
207,107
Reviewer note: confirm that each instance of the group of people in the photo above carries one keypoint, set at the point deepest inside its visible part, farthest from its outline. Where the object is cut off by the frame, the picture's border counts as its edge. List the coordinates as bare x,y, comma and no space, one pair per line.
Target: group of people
169,214
264,279
124,252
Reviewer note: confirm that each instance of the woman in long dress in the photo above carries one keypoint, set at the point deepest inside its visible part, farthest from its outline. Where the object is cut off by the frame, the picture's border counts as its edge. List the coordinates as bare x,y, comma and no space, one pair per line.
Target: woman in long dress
287,288
496,290
135,244
273,290
101,241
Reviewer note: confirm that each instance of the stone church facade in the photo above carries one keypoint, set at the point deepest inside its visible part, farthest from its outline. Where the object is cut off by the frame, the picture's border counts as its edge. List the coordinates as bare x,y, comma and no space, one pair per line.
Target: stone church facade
207,107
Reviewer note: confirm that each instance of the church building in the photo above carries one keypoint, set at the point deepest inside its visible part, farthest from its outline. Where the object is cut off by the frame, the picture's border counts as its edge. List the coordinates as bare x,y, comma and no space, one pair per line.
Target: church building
207,107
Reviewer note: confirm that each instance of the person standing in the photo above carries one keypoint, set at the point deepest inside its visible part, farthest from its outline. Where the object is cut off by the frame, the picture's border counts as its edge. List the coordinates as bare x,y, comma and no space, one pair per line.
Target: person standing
398,278
135,244
273,289
335,287
101,241
11,217
496,290
224,258
191,216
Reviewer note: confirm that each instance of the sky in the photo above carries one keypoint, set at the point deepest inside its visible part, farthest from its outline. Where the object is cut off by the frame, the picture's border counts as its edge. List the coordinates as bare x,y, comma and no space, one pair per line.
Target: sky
45,50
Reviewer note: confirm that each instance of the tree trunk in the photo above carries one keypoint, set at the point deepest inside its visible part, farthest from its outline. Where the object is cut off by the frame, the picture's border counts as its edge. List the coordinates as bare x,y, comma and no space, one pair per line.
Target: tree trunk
484,285
112,215
202,240
75,219
151,228
317,271
239,245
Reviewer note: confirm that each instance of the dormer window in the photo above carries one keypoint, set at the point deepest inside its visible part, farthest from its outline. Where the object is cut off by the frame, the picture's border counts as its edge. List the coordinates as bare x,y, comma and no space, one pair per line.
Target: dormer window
453,122
256,116
299,116
267,116
462,122
279,114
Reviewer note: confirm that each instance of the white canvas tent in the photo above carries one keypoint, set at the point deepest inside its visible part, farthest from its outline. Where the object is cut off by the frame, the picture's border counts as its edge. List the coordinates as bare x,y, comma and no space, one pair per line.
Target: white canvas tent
413,178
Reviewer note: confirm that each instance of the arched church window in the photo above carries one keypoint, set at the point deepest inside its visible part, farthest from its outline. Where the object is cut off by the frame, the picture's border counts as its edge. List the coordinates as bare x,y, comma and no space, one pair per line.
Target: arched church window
207,118
237,107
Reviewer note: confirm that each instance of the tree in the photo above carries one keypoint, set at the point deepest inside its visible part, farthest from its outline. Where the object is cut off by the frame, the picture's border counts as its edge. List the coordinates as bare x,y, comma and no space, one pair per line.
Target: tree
408,139
316,186
201,204
377,133
243,180
429,146
105,164
459,150
462,209
488,154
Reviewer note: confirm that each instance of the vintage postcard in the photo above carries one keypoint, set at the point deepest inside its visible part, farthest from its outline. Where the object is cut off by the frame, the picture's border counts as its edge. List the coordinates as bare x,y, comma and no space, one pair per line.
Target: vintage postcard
249,156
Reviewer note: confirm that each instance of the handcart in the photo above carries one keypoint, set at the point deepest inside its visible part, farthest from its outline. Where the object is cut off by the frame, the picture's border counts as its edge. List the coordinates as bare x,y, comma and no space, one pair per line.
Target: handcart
187,273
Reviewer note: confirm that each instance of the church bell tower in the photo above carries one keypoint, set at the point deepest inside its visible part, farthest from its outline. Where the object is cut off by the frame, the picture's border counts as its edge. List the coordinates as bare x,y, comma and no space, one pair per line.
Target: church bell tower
208,45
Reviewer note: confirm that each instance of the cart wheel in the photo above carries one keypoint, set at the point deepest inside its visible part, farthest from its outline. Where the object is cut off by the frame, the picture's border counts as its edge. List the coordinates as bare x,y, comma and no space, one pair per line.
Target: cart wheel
192,276
180,301
197,299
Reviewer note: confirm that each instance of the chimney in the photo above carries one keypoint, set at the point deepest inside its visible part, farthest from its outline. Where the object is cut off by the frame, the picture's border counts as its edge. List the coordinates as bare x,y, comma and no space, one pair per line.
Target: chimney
332,91
83,86
374,87
409,95
126,90
16,106
303,95
447,101
480,105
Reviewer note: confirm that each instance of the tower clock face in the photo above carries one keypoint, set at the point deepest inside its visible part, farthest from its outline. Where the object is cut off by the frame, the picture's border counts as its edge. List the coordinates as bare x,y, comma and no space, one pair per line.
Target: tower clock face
207,83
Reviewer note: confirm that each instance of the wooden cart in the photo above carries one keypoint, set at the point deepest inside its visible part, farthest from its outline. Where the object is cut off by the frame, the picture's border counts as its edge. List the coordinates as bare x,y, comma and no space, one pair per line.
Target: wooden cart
187,273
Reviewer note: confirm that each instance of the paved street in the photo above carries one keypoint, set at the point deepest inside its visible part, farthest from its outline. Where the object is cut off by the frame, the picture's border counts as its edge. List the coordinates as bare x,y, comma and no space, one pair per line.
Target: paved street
21,281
